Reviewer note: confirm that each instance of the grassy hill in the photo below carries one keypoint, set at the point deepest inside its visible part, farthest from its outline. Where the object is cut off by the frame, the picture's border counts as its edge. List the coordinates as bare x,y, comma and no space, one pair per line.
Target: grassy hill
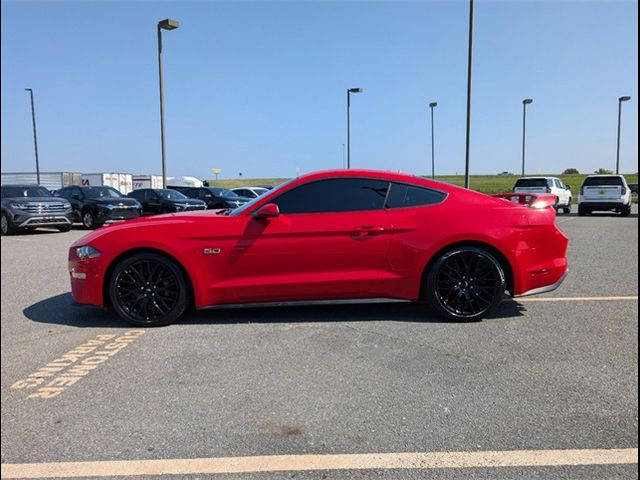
483,183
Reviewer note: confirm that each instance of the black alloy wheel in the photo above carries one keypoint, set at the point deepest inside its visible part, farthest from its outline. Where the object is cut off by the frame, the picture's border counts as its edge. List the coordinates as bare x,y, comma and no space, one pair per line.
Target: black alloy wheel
148,289
465,284
89,220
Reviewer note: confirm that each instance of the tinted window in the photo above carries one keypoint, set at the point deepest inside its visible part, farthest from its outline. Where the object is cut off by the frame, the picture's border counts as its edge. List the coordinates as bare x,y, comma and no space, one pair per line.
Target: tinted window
137,194
410,196
334,195
531,182
597,181
15,191
222,192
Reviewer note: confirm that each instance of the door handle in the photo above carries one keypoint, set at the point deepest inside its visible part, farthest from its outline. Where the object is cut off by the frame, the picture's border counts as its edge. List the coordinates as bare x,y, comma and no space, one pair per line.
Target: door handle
366,231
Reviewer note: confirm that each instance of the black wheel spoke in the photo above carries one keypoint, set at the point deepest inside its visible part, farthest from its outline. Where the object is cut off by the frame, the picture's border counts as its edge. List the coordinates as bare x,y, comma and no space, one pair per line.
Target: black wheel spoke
466,283
147,290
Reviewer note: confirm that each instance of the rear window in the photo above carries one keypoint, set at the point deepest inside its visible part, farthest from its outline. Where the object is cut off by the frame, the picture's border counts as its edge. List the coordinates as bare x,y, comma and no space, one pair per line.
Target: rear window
531,182
603,181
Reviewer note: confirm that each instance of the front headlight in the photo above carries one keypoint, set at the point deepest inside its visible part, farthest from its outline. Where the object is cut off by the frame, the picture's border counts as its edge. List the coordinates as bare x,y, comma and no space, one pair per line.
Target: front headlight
87,251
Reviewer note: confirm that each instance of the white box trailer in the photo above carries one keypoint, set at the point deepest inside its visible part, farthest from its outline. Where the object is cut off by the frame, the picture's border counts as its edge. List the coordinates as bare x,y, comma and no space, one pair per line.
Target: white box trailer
184,182
147,181
123,182
49,180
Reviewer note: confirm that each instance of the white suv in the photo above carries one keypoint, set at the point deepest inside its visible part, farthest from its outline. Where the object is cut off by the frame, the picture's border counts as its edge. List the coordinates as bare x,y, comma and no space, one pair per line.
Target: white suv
551,185
606,193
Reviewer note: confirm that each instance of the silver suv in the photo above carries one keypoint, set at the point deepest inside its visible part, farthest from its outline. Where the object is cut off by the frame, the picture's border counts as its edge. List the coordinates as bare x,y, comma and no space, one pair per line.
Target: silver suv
26,207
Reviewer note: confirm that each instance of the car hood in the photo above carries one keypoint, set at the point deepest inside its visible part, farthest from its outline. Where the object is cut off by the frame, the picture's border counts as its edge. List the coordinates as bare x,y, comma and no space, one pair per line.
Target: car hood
35,199
148,223
187,201
116,202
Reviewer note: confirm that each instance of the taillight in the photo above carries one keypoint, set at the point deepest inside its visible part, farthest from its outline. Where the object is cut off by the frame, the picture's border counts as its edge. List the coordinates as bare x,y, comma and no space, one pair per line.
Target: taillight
624,191
548,189
581,190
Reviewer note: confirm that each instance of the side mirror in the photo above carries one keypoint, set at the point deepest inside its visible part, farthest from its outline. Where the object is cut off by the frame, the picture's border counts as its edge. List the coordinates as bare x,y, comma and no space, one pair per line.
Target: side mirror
267,211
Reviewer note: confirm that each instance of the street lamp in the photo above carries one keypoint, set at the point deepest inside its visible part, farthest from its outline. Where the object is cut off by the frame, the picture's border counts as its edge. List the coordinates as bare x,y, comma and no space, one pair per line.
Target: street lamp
469,65
433,105
35,136
349,92
525,102
167,24
620,100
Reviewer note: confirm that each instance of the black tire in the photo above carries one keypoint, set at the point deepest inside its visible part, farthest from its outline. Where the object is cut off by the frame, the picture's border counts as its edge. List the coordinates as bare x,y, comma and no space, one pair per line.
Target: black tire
89,220
582,211
567,210
464,284
626,211
148,290
64,228
6,227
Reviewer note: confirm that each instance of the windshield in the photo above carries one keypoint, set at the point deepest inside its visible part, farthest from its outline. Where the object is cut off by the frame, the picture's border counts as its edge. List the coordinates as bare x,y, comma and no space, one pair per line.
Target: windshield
34,191
249,205
223,192
603,181
171,194
102,192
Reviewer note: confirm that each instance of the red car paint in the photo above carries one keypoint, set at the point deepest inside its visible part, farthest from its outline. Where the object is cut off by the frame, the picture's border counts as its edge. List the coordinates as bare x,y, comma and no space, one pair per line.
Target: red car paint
315,256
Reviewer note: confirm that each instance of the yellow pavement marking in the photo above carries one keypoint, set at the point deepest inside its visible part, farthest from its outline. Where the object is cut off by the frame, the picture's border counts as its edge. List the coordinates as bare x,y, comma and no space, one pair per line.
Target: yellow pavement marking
576,299
297,463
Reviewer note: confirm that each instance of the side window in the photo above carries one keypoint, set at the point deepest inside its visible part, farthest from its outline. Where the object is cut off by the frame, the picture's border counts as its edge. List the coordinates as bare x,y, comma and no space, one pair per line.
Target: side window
136,194
559,184
402,195
334,195
150,196
76,193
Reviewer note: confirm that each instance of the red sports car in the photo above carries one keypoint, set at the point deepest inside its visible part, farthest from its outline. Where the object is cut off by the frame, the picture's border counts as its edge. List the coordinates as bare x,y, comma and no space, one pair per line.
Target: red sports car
343,234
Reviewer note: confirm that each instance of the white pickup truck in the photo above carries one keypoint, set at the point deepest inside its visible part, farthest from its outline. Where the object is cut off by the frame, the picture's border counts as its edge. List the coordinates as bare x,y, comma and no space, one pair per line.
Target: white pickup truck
551,185
605,193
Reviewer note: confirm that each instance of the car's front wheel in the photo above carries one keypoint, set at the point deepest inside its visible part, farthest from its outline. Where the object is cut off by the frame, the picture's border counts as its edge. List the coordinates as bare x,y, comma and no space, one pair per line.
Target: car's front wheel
89,220
6,228
465,284
147,289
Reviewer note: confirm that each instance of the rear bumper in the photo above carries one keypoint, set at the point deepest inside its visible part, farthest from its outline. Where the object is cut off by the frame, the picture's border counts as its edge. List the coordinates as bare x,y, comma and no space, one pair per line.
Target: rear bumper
598,205
544,289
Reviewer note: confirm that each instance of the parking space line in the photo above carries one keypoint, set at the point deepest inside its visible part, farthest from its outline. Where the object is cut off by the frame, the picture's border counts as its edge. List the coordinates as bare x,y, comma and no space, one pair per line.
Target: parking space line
298,463
577,299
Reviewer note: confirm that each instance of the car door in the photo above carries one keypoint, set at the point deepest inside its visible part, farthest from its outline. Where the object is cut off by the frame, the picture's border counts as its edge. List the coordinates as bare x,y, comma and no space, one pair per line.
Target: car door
152,202
329,241
76,199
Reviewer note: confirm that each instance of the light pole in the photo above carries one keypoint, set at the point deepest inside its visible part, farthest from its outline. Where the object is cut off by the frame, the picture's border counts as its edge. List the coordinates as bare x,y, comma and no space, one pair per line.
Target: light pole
35,136
469,64
620,100
433,105
344,158
525,102
167,24
349,92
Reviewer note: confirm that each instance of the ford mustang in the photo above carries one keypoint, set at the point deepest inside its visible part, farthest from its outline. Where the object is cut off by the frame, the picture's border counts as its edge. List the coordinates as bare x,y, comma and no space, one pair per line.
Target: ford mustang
342,234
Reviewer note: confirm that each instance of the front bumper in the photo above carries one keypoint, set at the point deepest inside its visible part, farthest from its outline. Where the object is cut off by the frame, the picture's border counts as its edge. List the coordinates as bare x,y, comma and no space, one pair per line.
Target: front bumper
27,220
105,215
86,279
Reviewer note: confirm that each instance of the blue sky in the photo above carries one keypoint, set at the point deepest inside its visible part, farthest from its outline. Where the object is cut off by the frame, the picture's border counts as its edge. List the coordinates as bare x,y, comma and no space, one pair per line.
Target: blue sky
258,88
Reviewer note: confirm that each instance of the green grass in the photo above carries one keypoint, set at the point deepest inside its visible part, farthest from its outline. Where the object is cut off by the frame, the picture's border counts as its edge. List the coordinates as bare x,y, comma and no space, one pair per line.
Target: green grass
489,184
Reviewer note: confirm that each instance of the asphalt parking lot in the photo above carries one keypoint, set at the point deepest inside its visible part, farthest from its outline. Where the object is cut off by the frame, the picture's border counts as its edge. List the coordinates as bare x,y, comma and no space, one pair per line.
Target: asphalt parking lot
551,374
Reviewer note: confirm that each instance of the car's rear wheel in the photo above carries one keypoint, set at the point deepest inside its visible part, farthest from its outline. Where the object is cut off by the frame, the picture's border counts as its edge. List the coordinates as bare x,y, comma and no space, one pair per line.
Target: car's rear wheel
626,211
465,284
6,228
148,289
582,211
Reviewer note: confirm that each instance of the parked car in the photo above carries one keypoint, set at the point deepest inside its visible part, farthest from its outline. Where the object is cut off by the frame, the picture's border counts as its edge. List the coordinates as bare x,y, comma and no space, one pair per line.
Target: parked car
216,198
94,206
26,207
552,185
605,193
329,235
505,173
250,192
156,201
